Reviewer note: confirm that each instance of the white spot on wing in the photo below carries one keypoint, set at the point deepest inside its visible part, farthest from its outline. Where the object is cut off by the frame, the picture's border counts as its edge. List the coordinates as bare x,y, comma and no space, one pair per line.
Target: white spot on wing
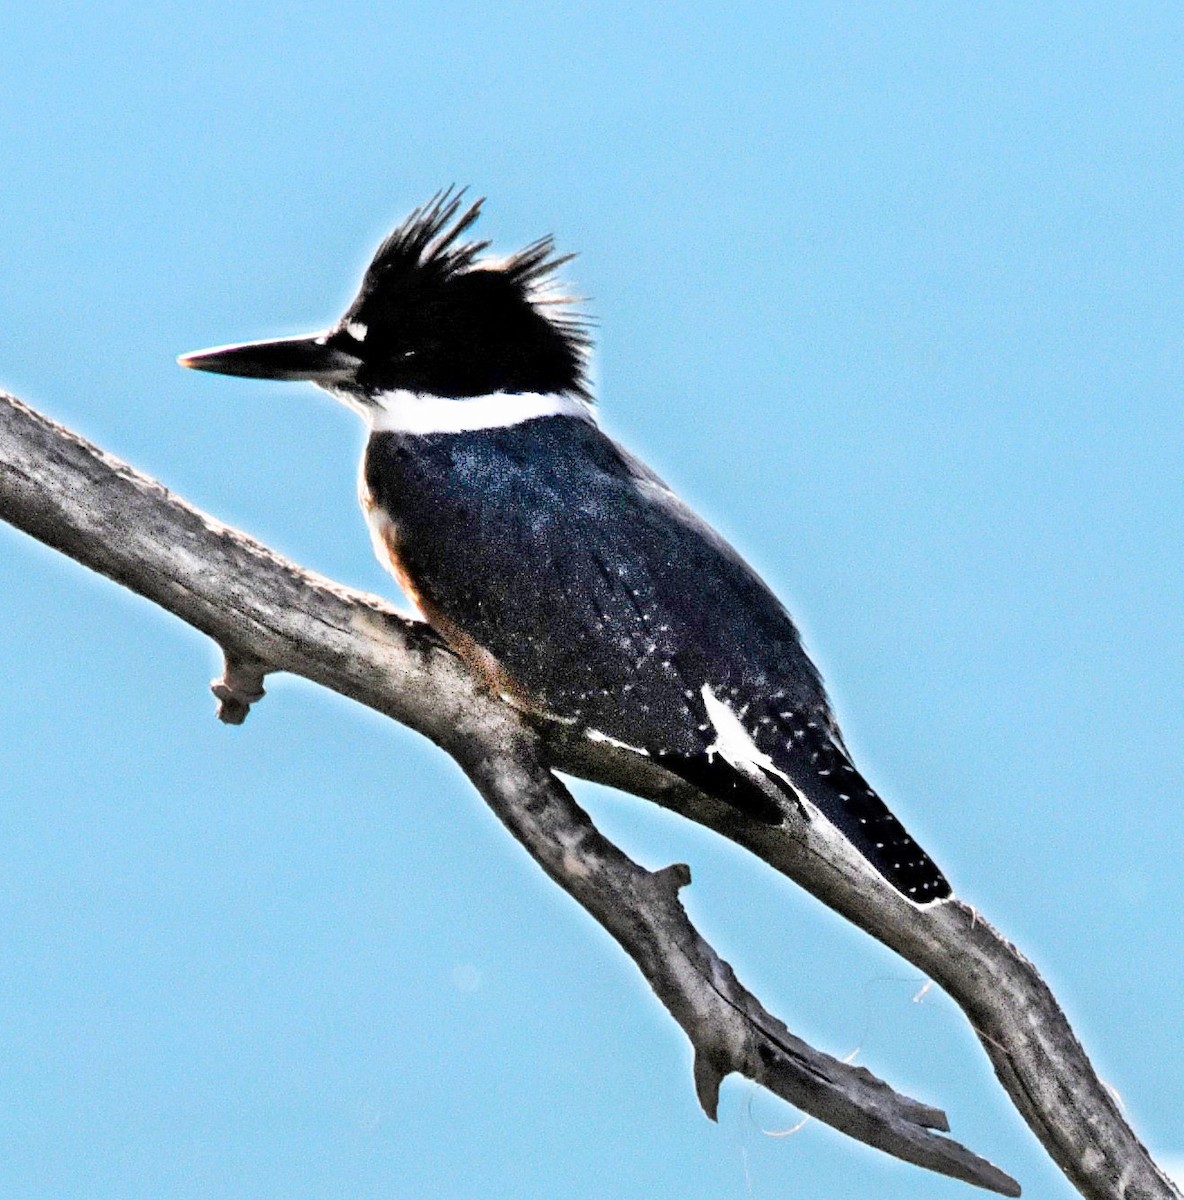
594,735
734,744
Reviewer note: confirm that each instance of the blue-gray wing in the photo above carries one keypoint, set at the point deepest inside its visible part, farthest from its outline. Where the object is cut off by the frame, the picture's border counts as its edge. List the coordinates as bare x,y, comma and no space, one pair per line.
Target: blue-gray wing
610,604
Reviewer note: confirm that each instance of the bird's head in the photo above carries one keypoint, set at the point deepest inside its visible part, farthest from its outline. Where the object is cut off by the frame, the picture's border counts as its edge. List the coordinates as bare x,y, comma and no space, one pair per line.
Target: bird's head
434,318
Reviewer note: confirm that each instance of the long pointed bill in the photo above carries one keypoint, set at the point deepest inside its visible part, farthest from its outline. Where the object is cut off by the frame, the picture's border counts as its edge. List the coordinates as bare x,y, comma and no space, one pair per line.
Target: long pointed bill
304,358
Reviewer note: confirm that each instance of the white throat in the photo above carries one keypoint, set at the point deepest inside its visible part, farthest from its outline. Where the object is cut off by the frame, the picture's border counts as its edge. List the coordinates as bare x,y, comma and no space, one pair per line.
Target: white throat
412,412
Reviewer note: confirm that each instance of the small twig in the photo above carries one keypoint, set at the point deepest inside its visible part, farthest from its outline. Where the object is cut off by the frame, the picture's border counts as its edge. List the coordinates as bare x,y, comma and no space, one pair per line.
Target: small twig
240,686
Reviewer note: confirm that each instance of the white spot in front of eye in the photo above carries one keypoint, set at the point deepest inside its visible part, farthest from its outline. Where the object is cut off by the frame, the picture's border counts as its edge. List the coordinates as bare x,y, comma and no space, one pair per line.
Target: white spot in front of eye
357,331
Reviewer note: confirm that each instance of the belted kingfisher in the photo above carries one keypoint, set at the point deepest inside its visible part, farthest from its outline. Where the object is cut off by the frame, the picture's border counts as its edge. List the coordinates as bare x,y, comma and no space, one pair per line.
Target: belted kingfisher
570,577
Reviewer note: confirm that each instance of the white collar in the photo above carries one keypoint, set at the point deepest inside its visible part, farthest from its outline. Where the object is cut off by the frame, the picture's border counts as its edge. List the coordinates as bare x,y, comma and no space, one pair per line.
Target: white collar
411,412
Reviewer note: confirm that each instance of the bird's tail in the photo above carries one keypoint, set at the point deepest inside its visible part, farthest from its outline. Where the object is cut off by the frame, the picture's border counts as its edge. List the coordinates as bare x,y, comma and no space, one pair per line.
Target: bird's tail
813,766
830,781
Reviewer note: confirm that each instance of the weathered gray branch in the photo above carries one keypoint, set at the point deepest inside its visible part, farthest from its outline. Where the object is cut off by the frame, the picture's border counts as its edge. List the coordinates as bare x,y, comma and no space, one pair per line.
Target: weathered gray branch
269,614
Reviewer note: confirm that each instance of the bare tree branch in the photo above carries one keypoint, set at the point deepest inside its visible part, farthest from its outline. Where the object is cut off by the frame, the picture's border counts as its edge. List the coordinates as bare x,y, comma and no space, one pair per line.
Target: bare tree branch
269,614
728,1027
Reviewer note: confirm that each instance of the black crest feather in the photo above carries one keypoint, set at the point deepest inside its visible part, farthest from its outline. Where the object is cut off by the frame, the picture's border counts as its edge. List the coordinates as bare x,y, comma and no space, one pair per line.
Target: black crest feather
425,244
510,313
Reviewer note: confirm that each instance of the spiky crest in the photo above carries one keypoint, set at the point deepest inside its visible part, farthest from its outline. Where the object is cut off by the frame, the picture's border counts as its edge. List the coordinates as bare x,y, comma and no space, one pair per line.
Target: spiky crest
423,270
424,245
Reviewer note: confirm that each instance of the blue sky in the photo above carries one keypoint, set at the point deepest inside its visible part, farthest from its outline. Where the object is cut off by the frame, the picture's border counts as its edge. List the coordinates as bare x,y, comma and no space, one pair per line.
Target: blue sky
892,293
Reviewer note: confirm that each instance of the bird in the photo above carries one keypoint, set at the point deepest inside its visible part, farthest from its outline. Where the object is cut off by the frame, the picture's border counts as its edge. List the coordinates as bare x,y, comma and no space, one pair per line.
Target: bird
575,583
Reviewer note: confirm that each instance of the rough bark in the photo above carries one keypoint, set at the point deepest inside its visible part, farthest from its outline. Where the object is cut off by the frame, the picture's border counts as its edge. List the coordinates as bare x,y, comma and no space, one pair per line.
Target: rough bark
269,614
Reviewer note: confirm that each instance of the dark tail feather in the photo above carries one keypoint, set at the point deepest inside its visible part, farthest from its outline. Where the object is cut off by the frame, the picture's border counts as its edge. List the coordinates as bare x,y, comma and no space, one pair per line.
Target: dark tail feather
830,781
